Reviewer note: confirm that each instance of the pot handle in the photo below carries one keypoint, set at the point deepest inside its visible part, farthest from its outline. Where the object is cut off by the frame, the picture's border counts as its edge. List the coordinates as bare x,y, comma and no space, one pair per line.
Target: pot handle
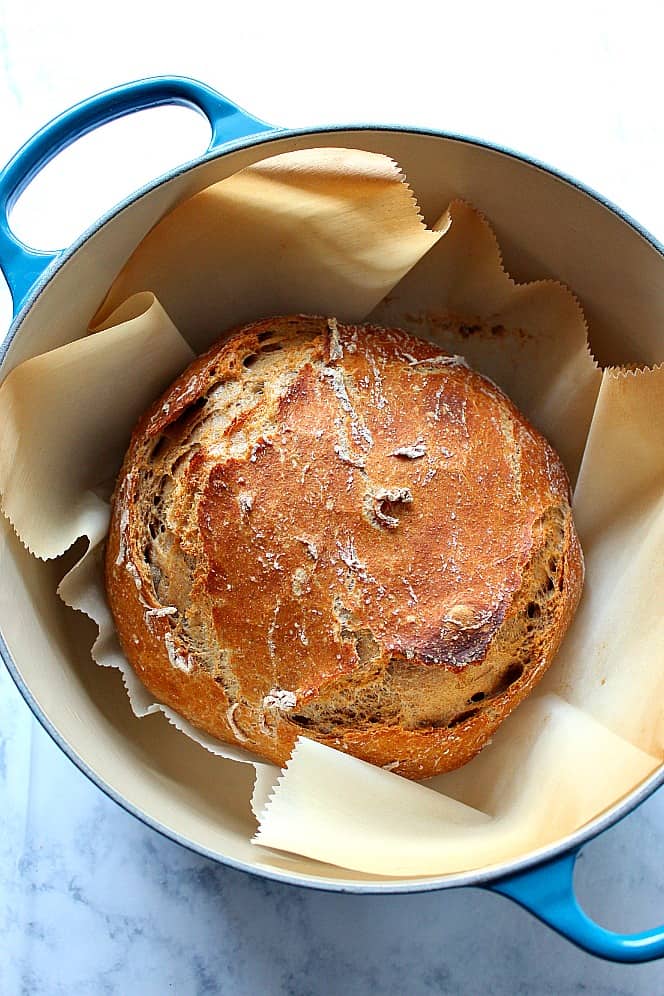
548,892
22,266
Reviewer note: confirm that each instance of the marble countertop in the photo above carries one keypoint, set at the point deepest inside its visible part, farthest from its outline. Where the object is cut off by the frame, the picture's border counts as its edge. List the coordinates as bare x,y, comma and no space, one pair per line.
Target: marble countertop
92,901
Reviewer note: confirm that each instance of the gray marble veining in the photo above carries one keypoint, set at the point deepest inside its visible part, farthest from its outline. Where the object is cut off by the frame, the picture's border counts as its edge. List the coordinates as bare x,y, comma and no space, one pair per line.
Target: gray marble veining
92,901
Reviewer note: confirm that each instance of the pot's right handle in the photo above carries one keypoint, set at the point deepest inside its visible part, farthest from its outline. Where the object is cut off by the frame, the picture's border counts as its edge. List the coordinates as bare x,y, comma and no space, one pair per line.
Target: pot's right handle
548,892
23,266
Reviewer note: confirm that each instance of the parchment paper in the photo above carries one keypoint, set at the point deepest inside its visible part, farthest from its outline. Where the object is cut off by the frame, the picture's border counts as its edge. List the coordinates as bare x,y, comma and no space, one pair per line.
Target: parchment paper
66,426
319,231
530,338
241,252
550,769
612,662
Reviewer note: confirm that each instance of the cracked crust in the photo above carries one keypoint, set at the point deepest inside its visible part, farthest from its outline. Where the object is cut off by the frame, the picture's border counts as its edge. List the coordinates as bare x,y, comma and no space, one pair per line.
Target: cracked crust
342,532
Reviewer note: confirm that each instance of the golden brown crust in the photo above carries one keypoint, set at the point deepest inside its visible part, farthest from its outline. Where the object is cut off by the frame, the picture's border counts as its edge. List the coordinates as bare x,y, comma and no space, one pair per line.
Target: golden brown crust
339,531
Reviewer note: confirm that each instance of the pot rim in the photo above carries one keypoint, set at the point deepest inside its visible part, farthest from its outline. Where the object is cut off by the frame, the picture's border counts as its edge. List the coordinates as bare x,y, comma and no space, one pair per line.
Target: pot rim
477,877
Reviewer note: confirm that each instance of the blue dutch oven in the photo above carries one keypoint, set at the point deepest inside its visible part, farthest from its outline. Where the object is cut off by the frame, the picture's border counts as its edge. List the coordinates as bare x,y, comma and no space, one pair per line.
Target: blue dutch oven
547,224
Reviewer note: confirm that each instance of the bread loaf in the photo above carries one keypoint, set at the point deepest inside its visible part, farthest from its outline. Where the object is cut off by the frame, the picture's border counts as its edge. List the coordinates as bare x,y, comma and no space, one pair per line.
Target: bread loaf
341,532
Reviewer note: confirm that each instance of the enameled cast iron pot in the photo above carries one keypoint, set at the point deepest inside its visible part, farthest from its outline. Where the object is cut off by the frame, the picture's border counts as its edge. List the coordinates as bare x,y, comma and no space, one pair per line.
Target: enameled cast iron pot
547,225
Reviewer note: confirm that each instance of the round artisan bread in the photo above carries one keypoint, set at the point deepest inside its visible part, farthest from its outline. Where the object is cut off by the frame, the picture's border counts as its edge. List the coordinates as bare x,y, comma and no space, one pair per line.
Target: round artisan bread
341,532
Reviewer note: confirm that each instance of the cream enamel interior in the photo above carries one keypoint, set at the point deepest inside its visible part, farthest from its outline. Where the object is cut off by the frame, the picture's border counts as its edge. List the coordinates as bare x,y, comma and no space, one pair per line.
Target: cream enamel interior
546,227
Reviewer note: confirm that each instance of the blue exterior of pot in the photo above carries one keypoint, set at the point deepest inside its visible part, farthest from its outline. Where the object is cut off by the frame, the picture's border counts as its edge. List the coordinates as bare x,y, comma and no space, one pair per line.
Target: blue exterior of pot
544,887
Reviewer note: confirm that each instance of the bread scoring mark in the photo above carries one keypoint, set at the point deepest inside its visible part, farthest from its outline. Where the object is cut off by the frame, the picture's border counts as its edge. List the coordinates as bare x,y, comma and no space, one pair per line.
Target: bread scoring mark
310,546
178,660
413,452
335,348
264,727
453,360
159,613
379,399
343,452
230,719
358,429
377,506
412,360
132,570
348,554
181,398
280,698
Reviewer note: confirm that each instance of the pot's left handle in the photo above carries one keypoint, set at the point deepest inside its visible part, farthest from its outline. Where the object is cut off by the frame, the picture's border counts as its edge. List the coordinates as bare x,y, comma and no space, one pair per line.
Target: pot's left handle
548,892
22,266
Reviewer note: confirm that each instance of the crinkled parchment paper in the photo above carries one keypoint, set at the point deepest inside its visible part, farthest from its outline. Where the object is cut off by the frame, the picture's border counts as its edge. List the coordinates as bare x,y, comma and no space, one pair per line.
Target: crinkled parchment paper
319,231
338,232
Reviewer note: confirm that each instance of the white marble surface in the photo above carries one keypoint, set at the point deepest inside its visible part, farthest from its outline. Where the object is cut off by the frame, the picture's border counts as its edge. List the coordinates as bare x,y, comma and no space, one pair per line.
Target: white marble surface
91,901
